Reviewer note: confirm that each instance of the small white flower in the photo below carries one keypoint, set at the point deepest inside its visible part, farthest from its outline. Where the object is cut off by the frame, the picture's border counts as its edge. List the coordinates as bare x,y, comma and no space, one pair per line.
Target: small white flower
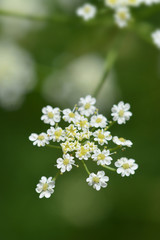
121,141
92,146
102,157
70,116
51,115
83,135
45,187
97,180
120,112
56,134
102,136
67,146
87,11
71,131
112,3
83,152
156,38
126,166
133,3
82,123
40,140
122,16
87,107
65,163
98,121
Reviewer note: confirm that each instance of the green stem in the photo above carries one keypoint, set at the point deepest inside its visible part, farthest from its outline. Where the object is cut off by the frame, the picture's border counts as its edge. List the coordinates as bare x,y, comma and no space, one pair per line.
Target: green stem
109,168
111,123
53,179
85,166
52,146
114,149
111,58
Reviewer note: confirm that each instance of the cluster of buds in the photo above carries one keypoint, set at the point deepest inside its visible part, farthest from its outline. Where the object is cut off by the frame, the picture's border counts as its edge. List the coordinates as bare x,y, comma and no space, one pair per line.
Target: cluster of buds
121,8
85,137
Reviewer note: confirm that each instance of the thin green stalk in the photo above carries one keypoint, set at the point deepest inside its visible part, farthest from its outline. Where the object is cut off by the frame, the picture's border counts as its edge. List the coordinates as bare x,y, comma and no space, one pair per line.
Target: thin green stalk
53,179
52,146
115,149
109,168
111,58
85,166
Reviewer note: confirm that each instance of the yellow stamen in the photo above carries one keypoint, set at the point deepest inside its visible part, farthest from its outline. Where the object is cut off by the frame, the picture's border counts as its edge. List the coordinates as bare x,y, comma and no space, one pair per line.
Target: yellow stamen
101,136
122,139
71,115
40,137
96,179
45,186
50,114
125,166
66,161
101,156
58,133
121,113
98,120
87,106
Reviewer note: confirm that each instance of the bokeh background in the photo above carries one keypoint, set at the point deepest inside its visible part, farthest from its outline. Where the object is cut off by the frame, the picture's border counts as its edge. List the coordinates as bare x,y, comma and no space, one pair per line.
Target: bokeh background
57,62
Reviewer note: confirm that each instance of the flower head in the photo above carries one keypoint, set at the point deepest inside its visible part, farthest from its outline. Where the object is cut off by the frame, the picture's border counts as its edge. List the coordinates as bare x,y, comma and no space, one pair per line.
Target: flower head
65,163
102,157
97,180
45,187
40,140
87,107
56,134
102,136
51,115
98,121
87,11
122,16
121,141
126,166
70,116
121,113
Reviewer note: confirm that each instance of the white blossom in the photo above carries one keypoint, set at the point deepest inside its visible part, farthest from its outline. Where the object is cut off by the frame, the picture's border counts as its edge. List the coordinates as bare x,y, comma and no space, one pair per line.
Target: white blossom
156,38
56,134
97,180
102,157
126,166
121,141
122,16
98,121
82,123
40,140
70,116
102,136
87,11
87,107
65,163
45,187
51,115
121,113
83,152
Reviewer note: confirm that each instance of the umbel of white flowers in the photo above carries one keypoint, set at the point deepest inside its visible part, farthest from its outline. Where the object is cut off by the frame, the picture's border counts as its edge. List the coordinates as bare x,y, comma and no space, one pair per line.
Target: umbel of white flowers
121,10
85,137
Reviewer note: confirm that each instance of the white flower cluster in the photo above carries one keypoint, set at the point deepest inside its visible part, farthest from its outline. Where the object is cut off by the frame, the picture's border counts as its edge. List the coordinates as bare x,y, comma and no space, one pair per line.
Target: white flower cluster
85,137
121,10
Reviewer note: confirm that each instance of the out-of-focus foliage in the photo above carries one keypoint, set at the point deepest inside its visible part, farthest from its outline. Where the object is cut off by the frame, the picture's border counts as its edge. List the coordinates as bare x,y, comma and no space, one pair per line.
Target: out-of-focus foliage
127,209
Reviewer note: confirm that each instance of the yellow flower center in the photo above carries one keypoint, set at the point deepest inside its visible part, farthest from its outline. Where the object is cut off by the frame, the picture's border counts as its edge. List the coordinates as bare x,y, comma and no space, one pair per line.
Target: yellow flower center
58,133
125,166
87,9
50,114
98,120
96,179
112,1
101,136
45,186
122,139
72,130
132,1
101,156
66,161
83,151
122,15
83,123
71,115
121,113
40,137
87,106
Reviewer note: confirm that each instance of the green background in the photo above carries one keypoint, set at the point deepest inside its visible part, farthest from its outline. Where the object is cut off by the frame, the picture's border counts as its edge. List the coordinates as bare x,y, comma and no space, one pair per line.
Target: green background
129,208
